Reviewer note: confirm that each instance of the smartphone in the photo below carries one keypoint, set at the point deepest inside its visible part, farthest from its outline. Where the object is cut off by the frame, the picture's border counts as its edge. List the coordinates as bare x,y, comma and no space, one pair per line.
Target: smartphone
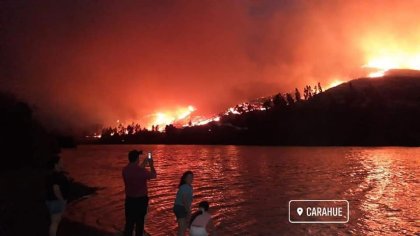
149,155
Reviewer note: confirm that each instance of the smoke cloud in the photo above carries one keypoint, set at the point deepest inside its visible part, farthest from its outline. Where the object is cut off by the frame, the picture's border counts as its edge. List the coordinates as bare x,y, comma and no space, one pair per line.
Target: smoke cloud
85,63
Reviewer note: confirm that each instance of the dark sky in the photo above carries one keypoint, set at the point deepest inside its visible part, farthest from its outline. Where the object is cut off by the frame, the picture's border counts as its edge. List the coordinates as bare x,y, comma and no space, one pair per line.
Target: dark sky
92,62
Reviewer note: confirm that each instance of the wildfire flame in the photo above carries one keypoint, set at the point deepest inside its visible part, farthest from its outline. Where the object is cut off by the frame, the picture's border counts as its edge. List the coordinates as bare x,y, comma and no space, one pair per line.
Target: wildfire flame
385,53
397,61
205,121
335,83
162,119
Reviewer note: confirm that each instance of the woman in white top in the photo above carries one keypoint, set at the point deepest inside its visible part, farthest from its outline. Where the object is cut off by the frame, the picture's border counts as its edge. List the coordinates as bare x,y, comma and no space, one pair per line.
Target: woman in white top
201,223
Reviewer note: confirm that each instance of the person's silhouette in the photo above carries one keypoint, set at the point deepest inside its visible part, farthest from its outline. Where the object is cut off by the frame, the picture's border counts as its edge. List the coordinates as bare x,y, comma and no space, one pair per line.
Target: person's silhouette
136,202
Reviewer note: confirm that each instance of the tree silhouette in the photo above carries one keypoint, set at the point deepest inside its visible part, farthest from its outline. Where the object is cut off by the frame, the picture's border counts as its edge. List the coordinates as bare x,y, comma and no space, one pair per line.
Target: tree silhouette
310,92
170,129
290,100
267,104
130,129
279,101
297,95
319,87
137,128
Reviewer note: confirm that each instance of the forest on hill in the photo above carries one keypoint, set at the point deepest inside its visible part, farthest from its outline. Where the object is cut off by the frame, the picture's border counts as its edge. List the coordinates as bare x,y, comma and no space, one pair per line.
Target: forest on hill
363,112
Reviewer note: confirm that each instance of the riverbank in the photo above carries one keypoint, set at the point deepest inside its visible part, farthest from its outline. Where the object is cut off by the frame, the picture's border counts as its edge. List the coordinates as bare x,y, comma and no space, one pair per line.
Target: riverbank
22,208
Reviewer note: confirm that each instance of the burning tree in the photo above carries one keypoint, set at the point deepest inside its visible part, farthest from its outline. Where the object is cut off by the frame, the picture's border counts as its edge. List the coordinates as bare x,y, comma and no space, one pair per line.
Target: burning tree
319,87
267,104
309,92
279,100
290,100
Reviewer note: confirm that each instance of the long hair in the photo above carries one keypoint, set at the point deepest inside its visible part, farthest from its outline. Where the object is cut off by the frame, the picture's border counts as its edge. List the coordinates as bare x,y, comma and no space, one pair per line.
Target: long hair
204,206
184,176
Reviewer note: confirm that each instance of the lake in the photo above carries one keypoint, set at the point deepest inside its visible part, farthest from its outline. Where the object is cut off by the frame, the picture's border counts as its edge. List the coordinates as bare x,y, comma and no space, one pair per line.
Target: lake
249,187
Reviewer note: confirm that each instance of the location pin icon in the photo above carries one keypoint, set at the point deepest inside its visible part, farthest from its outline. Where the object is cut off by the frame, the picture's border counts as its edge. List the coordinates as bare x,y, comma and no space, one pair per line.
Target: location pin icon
299,211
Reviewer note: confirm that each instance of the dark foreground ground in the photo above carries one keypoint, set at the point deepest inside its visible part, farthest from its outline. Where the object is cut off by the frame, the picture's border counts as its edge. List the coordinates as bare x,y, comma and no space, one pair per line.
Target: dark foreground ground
22,208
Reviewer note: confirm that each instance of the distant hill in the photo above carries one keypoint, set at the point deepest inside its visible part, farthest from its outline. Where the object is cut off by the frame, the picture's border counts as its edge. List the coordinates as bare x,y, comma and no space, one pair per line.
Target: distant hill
362,112
392,90
366,111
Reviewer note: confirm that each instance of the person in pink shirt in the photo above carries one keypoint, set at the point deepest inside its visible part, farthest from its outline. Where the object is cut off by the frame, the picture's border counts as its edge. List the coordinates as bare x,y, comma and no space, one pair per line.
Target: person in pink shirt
135,178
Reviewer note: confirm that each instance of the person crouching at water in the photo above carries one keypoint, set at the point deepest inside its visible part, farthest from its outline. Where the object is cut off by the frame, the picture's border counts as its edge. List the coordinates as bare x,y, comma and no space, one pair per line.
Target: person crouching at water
136,201
201,223
183,200
58,186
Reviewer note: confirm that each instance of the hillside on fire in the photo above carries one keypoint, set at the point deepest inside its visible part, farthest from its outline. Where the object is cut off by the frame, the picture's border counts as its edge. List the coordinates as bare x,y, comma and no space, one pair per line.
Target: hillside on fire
365,112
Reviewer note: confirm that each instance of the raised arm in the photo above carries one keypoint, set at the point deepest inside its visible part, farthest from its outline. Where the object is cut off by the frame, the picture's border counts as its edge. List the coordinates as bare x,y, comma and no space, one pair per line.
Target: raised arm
153,173
144,163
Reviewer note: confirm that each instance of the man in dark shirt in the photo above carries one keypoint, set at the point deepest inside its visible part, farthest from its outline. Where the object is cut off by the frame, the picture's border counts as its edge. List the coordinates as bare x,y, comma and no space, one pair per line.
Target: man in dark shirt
136,200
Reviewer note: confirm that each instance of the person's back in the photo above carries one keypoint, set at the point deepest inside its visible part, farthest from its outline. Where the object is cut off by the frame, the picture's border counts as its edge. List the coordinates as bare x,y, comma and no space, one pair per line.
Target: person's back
201,223
135,180
136,199
184,196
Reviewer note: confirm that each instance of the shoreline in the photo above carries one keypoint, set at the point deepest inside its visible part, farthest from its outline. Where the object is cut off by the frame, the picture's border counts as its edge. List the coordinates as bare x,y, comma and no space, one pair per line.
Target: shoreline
23,205
244,145
72,228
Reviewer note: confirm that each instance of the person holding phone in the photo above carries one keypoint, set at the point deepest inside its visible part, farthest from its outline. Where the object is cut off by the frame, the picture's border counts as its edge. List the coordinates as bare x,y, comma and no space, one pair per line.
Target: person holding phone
135,178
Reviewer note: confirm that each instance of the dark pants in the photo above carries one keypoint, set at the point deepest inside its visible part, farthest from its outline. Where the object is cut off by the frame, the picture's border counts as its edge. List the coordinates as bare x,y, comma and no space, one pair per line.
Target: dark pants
135,211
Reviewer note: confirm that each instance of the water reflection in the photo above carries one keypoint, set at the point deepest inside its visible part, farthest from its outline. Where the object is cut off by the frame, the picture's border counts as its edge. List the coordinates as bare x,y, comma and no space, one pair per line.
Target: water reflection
389,191
249,187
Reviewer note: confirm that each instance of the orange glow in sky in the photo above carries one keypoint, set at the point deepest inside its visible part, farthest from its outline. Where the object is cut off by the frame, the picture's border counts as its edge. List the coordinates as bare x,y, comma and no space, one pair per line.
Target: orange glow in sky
147,62
334,83
384,52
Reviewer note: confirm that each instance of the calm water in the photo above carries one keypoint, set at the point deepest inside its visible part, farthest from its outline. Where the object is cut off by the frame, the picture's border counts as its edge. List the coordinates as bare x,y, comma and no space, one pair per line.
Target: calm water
249,187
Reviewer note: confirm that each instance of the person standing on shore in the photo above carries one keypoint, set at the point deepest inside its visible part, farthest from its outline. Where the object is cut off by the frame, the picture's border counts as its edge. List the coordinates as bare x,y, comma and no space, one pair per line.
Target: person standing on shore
58,186
183,200
135,178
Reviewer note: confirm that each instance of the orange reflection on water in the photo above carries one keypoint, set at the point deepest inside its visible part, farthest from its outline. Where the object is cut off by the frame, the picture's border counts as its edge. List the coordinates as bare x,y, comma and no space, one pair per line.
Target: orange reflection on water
385,204
249,187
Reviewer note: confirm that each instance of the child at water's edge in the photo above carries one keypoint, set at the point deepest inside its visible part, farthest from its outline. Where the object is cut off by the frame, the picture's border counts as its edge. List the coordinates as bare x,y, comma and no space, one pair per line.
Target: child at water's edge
201,223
